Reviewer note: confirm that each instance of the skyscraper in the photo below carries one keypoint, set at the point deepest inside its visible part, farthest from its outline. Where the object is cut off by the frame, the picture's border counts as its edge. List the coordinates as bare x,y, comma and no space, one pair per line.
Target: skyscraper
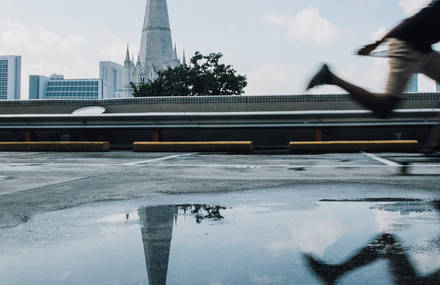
437,86
112,75
10,77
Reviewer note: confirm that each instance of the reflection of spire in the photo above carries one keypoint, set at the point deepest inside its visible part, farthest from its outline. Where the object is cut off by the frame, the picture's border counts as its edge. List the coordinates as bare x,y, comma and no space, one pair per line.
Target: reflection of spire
157,231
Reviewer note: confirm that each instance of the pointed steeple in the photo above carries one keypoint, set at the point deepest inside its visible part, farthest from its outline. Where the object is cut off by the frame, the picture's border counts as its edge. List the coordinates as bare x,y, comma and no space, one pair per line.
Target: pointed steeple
183,58
156,44
127,57
176,61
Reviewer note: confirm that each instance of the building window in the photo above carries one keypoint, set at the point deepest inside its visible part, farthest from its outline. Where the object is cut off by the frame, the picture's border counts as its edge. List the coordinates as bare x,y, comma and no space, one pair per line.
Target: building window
3,79
72,89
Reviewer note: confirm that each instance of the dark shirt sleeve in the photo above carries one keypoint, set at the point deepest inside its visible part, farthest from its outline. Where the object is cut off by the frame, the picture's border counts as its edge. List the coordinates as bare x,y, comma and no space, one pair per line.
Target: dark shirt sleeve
421,30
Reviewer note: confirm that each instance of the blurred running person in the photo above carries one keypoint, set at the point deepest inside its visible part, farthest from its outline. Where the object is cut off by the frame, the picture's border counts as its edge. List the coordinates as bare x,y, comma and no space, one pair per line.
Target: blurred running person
410,52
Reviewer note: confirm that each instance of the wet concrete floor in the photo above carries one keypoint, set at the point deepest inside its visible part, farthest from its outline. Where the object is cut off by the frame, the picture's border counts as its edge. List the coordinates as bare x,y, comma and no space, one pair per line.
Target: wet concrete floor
124,218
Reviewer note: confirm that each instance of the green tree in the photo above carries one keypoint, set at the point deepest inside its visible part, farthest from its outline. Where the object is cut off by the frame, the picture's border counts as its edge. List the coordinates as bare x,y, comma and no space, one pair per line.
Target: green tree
204,76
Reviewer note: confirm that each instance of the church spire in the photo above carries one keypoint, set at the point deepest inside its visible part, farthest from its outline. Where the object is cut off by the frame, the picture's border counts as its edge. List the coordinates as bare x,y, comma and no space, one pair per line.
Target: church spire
156,42
127,57
183,58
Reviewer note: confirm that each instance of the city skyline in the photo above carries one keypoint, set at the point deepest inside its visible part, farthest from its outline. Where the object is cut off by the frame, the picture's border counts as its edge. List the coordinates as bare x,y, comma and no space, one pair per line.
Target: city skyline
277,45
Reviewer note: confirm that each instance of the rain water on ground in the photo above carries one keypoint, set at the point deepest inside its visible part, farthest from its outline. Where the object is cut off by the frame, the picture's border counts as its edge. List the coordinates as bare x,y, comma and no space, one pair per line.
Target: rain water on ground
371,242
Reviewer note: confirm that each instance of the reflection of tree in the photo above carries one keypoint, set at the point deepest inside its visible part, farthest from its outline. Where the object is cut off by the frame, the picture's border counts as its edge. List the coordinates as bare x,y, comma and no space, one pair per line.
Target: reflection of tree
385,246
202,212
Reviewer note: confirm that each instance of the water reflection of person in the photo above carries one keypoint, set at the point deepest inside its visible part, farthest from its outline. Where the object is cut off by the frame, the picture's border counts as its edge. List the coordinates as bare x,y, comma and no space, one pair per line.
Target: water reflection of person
385,246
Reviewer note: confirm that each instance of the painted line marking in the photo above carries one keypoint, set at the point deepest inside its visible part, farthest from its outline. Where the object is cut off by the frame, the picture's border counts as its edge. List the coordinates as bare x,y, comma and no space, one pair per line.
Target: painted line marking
279,166
156,159
382,160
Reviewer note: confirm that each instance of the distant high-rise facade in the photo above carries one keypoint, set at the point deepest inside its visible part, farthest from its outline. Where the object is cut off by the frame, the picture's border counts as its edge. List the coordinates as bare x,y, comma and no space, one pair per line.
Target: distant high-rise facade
10,77
413,84
56,87
156,54
437,86
112,76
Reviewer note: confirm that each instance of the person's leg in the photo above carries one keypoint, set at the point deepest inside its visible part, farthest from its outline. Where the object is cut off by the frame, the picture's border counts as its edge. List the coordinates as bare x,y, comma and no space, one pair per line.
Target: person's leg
385,246
433,140
431,68
403,61
381,104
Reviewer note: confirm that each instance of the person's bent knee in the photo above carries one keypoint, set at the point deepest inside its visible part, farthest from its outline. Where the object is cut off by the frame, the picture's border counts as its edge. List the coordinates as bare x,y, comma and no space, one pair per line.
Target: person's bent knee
386,105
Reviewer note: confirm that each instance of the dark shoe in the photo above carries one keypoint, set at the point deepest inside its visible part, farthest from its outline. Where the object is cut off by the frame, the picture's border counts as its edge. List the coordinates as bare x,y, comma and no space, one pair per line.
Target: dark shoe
321,78
327,273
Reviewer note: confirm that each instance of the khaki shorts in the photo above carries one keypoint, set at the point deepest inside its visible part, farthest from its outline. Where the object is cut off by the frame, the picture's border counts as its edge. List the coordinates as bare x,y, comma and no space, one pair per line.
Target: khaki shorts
405,61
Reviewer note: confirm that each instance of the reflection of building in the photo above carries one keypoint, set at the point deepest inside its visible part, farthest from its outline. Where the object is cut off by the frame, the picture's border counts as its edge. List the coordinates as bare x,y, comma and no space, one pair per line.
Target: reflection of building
157,231
437,86
413,84
10,77
156,53
56,87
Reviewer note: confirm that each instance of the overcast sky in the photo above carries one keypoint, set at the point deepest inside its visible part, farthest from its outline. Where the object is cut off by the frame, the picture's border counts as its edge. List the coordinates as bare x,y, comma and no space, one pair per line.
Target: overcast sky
278,44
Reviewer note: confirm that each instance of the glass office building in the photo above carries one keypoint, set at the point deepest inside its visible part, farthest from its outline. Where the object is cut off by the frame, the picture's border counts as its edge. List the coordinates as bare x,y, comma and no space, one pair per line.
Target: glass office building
437,86
3,79
56,87
10,77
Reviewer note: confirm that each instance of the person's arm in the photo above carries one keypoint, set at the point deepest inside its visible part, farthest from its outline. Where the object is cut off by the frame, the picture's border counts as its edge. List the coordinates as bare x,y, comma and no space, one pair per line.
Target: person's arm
428,11
366,50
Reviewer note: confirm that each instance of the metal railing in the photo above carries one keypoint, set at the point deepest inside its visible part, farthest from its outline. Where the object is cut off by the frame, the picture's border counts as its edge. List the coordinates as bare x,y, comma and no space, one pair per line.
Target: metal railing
221,120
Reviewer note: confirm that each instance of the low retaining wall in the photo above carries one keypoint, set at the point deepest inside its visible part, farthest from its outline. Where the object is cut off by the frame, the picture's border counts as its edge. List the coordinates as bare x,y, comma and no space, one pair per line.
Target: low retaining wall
56,146
209,104
354,146
240,147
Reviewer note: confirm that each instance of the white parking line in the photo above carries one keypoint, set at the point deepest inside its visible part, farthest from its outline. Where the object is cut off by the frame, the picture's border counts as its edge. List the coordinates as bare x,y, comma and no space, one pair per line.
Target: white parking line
381,160
156,159
293,167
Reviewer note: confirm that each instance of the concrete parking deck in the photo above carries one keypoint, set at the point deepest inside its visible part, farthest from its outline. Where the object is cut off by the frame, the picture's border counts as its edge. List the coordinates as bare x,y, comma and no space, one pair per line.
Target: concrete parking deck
37,182
74,215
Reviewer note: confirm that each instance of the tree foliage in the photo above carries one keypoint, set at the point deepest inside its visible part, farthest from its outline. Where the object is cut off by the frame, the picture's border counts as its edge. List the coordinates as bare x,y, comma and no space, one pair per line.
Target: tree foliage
204,76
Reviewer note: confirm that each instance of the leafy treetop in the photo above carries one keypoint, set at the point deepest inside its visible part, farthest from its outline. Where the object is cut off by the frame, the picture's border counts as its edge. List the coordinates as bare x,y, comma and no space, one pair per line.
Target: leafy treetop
204,76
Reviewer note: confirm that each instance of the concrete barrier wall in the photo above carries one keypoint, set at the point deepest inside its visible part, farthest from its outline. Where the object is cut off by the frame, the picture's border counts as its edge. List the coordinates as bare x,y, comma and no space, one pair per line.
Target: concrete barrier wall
209,104
354,146
203,146
56,146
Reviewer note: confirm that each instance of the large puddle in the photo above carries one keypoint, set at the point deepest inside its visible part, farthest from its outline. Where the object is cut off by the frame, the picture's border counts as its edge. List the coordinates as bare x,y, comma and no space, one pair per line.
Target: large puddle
364,242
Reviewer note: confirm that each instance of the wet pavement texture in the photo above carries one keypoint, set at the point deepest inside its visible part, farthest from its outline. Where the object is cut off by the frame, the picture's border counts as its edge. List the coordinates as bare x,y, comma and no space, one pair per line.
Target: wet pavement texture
125,218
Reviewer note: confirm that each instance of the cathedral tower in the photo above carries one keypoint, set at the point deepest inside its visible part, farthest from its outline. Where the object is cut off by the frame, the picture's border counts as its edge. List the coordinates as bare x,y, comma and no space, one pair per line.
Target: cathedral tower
156,52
